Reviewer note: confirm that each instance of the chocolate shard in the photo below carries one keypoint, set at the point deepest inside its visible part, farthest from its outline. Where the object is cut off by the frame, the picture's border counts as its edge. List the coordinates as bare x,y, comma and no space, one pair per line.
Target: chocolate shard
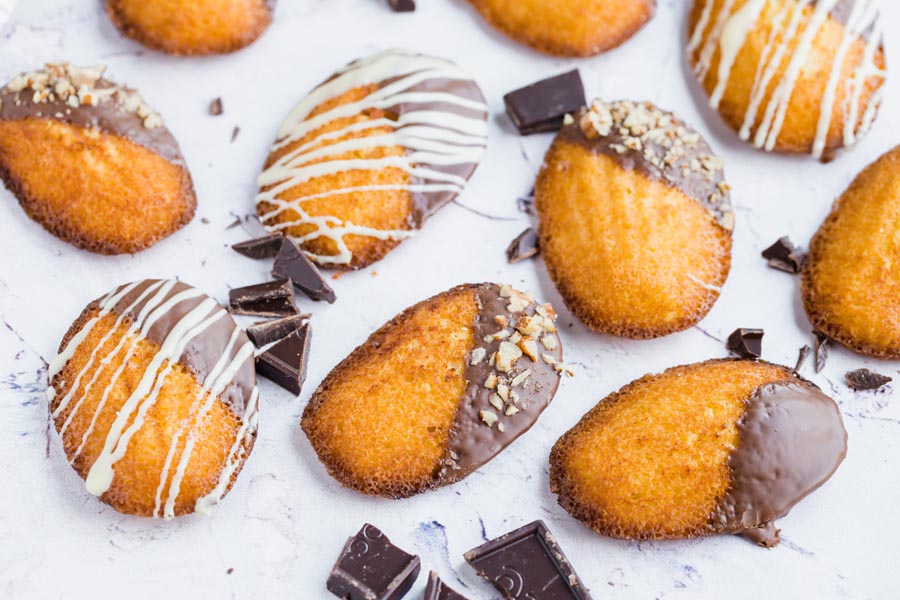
270,299
524,246
370,567
526,205
784,256
820,349
264,247
746,343
438,590
528,563
542,106
864,379
291,262
403,5
266,332
285,362
802,355
215,107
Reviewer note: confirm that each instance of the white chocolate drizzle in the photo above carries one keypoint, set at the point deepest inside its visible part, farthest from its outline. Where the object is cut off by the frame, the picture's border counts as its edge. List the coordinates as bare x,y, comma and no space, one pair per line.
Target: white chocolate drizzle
795,25
443,133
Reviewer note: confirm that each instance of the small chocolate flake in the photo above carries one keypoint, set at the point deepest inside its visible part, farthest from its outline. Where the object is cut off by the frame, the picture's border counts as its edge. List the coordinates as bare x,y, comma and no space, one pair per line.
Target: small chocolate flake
543,106
204,220
285,362
270,299
370,567
746,343
820,349
864,379
403,5
291,262
525,245
264,247
266,332
234,133
215,107
784,256
230,570
526,205
802,355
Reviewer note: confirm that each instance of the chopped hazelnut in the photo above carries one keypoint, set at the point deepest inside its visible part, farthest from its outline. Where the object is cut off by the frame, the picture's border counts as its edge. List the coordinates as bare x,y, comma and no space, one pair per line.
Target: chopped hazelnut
478,355
489,417
529,347
506,356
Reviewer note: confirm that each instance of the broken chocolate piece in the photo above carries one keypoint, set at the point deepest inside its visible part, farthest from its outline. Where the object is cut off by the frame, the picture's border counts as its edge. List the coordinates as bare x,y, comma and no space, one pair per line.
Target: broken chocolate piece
526,205
542,106
802,355
528,563
370,567
438,590
746,343
270,299
264,247
524,246
864,379
820,349
266,332
403,5
215,107
784,256
285,362
234,133
291,262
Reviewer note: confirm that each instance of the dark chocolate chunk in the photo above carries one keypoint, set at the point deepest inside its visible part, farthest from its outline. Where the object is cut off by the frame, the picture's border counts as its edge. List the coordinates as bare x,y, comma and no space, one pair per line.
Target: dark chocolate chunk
266,332
528,563
438,590
784,256
285,362
291,262
215,107
526,205
746,343
802,355
864,379
403,5
524,246
270,299
820,349
542,106
264,247
370,567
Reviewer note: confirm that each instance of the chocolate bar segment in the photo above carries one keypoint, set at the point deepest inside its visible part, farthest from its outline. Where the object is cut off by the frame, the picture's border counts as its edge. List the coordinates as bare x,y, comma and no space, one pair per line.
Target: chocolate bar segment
291,262
542,106
266,332
525,245
528,563
370,567
746,343
264,247
271,299
438,590
285,362
864,379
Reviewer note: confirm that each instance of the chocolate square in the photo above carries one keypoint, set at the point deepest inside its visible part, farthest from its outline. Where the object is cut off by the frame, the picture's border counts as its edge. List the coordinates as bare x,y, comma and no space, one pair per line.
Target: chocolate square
370,567
746,343
543,105
270,299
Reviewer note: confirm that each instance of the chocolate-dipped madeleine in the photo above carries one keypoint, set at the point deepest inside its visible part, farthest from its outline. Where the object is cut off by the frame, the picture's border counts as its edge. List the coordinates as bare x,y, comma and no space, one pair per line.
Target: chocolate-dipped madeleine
154,396
724,446
90,161
437,391
370,154
635,220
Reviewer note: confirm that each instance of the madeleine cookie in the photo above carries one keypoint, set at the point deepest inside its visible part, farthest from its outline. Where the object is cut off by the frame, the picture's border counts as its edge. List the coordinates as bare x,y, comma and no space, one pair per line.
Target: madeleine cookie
90,162
635,220
573,28
192,26
791,76
851,278
154,396
724,446
367,156
436,392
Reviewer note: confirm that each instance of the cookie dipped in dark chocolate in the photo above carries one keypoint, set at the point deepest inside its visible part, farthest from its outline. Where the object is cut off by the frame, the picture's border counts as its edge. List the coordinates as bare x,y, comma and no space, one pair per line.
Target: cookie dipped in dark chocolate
640,136
81,97
511,376
791,441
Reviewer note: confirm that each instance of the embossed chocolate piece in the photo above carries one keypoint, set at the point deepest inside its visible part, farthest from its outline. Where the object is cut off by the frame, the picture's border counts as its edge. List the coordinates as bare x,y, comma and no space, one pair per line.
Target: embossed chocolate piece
370,567
784,256
746,343
528,563
270,299
292,262
264,247
524,246
541,106
266,332
438,590
864,379
285,362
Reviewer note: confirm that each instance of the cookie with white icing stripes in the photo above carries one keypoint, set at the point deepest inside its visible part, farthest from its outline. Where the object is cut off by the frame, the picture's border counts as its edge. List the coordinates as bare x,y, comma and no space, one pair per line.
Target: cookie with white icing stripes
797,76
370,154
154,396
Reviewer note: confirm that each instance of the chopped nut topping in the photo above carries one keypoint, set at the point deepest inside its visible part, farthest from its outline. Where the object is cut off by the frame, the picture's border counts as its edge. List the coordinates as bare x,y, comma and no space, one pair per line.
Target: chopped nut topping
510,411
496,401
491,381
501,320
501,427
529,325
520,378
489,417
529,347
548,359
507,356
515,337
549,342
503,391
478,355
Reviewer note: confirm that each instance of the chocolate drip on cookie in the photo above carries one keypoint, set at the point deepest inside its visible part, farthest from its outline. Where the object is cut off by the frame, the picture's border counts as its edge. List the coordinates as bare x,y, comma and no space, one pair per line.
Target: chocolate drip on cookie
791,440
639,136
81,97
511,376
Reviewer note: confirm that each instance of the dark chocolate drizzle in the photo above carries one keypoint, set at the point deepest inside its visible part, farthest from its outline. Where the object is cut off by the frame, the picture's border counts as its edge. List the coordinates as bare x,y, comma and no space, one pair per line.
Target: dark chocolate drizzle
203,352
107,116
472,442
791,441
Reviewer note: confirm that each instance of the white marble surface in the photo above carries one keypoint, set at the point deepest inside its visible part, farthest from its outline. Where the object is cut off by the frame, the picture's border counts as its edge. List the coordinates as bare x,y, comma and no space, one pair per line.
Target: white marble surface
278,532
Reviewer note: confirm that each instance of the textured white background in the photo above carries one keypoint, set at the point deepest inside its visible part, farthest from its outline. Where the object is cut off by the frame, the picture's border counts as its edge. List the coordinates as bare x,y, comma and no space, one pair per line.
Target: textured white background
285,521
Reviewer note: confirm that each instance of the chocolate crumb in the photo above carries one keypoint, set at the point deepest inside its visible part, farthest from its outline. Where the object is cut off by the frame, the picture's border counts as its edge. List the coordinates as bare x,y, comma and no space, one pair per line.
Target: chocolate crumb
234,133
525,245
864,379
746,343
403,5
784,256
526,205
230,570
204,220
820,349
215,107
